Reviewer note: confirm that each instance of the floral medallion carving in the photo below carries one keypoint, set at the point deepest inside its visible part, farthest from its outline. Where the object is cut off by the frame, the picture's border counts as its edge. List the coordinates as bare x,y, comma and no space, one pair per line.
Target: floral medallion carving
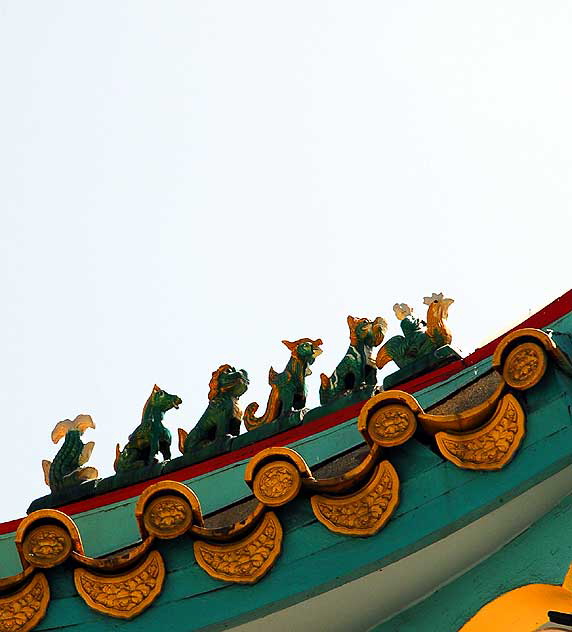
364,512
492,446
246,561
23,610
167,516
277,483
47,545
525,365
123,596
391,425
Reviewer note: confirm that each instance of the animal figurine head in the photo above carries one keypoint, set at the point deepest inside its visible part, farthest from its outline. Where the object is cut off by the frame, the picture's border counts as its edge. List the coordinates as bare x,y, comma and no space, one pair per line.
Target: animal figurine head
364,331
161,400
402,310
438,304
306,350
226,379
437,313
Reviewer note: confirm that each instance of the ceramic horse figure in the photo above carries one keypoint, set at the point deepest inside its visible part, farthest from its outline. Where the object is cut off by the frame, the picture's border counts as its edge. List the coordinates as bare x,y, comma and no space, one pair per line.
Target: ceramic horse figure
150,436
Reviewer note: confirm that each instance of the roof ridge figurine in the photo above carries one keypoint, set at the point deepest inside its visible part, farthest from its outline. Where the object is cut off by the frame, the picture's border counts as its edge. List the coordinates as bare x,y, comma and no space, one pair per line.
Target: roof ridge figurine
288,388
222,417
419,337
357,369
150,436
66,468
221,420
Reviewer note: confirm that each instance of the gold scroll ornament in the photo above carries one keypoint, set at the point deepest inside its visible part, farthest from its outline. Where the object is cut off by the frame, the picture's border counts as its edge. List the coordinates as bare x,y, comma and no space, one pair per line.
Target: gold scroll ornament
364,512
24,609
47,545
167,516
246,561
525,365
391,425
490,447
389,418
122,596
276,475
46,537
167,510
276,483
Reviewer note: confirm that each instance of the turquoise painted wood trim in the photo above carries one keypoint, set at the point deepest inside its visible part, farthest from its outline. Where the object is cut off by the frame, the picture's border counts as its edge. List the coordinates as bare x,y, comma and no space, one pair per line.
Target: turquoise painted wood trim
226,485
562,333
222,487
437,500
542,554
215,490
437,392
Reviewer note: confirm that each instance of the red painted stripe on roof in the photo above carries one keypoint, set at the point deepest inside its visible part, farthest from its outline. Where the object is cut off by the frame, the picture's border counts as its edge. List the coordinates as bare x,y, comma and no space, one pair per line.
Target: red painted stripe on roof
545,316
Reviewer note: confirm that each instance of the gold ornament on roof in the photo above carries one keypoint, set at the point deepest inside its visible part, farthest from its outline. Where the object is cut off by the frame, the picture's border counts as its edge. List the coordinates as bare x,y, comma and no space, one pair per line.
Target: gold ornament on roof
525,365
246,561
167,516
389,419
364,512
490,447
277,483
391,425
24,609
122,596
47,545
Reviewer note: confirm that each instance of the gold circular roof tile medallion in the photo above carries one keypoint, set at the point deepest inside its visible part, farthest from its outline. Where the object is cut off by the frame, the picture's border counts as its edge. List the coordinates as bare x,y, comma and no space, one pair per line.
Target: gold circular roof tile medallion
47,545
524,366
391,425
167,516
277,483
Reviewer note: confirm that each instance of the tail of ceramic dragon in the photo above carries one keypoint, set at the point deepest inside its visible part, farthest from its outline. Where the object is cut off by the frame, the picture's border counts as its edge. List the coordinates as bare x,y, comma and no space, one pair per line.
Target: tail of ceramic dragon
273,407
383,357
325,383
327,387
117,455
182,438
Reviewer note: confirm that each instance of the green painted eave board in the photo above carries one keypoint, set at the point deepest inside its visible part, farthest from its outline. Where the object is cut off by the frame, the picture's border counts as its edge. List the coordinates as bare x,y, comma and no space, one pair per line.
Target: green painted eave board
226,486
435,502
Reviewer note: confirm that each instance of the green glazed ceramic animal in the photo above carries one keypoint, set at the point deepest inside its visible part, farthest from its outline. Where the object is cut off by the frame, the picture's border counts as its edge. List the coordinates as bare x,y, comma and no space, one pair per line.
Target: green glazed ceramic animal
223,417
150,436
357,368
419,337
288,388
66,469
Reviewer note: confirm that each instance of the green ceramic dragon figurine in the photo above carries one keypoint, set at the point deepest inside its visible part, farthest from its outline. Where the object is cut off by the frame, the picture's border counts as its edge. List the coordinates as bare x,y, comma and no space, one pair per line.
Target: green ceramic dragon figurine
419,337
223,417
150,436
288,388
66,469
357,369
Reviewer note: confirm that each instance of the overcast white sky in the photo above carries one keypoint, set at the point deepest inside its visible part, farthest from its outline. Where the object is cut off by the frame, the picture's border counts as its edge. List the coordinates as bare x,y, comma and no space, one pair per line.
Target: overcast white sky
184,184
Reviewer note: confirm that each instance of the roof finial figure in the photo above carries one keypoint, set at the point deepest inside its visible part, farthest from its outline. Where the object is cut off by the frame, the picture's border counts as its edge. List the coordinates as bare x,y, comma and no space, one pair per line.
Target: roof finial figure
66,468
419,337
